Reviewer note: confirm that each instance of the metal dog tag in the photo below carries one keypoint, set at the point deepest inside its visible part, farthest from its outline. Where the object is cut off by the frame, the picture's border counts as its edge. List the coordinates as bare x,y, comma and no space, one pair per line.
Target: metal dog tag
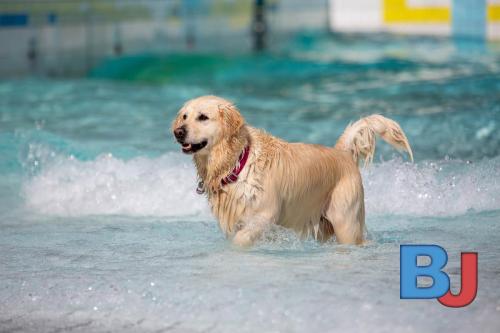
201,187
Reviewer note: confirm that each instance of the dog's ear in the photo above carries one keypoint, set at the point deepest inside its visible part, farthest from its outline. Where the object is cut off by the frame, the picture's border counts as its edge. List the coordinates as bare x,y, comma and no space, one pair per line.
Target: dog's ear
232,120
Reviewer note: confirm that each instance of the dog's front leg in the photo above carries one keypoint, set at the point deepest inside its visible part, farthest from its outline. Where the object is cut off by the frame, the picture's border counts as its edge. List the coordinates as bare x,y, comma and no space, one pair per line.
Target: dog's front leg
246,237
261,211
255,223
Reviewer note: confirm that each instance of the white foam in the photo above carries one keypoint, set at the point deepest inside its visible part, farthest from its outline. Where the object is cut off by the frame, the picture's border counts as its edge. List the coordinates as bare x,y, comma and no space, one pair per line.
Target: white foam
444,188
165,186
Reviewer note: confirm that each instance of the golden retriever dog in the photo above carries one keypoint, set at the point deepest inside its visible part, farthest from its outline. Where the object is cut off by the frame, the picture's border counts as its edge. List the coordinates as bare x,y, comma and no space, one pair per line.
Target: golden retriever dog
253,179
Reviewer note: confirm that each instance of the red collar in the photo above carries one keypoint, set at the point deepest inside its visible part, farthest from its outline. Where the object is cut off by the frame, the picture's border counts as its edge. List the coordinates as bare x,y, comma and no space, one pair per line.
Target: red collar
242,160
233,176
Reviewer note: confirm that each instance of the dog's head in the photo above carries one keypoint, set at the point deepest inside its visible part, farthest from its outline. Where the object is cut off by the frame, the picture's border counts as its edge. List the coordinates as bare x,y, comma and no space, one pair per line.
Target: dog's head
204,122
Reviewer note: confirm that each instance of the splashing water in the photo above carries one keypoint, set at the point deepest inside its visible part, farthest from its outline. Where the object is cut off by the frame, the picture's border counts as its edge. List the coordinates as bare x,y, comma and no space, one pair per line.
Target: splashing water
164,187
141,186
101,227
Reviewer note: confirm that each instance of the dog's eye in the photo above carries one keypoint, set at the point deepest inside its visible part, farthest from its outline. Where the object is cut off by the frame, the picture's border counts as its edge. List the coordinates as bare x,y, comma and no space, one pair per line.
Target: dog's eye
202,117
184,116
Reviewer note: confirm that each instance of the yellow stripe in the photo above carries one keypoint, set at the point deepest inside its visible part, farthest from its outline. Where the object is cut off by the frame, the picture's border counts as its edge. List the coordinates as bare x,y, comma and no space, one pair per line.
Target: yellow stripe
494,13
397,11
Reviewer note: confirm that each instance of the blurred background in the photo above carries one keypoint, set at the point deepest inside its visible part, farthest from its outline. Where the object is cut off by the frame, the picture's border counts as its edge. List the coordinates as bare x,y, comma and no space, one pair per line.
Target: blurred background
101,228
71,37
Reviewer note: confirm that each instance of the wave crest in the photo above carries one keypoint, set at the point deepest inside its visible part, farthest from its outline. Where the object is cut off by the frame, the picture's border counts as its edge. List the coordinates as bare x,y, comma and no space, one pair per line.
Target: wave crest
443,188
165,186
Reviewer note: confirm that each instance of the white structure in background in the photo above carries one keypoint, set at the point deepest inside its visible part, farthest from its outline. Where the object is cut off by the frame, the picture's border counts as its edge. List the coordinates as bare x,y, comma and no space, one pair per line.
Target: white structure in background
462,18
355,15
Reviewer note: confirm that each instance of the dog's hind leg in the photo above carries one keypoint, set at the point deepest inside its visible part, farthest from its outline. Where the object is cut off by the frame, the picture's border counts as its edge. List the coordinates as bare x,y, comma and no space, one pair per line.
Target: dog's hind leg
346,212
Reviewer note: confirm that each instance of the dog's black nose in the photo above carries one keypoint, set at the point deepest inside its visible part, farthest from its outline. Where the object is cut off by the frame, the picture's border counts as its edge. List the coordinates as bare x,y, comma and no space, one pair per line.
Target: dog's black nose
180,133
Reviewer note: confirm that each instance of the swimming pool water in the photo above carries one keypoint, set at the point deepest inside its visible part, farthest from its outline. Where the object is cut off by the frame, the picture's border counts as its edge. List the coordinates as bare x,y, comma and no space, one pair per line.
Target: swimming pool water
101,228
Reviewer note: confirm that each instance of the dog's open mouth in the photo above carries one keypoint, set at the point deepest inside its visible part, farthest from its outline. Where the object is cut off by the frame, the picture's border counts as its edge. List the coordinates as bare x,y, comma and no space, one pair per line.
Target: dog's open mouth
191,148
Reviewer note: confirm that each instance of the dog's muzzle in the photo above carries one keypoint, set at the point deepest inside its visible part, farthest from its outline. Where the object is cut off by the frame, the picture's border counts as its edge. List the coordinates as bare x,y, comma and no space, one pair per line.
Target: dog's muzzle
191,148
180,134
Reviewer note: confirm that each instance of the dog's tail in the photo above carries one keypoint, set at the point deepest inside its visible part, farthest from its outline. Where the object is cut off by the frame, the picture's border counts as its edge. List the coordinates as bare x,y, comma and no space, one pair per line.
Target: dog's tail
359,138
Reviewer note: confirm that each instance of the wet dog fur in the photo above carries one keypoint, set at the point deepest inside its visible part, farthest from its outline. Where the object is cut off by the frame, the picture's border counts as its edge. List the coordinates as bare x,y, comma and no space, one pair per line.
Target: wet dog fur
313,189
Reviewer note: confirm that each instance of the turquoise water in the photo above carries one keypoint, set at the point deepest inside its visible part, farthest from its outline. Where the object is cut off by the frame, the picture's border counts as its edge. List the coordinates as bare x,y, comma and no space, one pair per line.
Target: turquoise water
101,228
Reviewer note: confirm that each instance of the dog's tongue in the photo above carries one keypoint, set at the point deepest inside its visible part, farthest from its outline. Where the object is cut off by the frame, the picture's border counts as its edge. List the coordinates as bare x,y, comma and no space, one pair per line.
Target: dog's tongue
186,146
